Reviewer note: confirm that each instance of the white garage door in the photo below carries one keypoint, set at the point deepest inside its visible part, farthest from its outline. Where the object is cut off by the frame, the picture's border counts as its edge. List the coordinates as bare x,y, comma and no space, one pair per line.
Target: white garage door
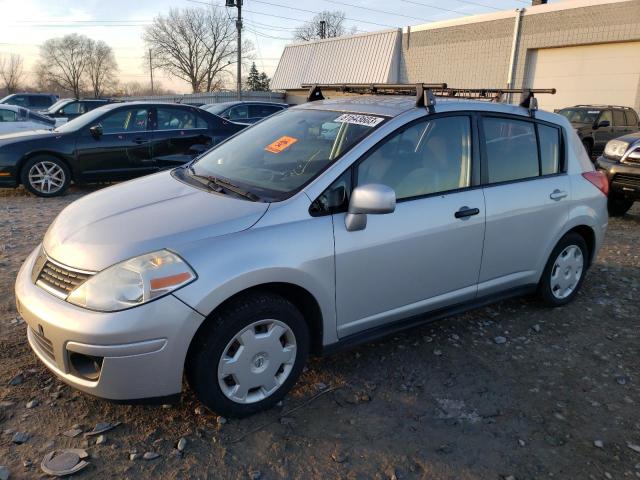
590,74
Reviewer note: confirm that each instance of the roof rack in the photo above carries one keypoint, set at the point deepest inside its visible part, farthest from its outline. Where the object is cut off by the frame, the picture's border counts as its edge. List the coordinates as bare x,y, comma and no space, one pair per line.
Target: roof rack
426,93
602,106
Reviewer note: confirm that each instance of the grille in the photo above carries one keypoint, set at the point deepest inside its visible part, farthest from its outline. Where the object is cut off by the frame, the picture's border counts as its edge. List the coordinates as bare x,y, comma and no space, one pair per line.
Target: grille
43,343
59,279
623,180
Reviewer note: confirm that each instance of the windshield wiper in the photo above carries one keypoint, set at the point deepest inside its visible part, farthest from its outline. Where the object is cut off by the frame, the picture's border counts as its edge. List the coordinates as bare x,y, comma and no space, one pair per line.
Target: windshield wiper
224,184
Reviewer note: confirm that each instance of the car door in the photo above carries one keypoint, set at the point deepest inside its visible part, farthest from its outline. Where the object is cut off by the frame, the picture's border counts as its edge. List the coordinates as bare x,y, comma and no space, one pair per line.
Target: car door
426,254
527,200
179,135
602,135
122,151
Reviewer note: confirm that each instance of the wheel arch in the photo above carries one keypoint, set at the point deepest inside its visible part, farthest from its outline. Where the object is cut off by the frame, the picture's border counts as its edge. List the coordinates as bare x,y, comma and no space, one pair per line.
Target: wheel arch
28,156
300,297
589,236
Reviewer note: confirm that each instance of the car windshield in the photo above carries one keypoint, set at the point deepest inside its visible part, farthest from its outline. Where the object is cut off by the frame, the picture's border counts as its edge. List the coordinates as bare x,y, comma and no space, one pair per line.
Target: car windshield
217,108
82,120
580,115
278,156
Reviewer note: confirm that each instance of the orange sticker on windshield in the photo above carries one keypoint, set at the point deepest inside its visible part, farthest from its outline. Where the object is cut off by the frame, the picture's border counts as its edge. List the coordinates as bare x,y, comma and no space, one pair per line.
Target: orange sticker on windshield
281,144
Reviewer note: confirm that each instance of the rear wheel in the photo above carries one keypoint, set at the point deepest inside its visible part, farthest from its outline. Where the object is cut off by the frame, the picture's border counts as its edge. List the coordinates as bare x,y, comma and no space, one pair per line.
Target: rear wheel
45,176
618,205
565,270
249,355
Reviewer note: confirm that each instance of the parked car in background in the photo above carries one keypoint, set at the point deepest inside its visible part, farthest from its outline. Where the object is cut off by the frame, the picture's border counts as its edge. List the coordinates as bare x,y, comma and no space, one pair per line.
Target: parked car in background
69,108
621,162
38,102
19,119
294,238
597,124
244,112
114,142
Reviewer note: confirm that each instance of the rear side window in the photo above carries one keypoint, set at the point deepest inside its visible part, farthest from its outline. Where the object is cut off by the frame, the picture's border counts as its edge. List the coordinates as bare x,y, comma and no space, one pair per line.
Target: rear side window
178,119
549,139
632,118
40,101
511,149
618,118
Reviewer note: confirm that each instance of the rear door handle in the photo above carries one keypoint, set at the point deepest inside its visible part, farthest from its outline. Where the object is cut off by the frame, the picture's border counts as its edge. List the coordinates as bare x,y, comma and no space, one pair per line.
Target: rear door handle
140,141
466,212
557,195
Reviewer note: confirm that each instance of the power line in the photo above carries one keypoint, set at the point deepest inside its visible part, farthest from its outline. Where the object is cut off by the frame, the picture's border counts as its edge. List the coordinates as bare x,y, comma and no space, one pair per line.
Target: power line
480,5
437,8
376,10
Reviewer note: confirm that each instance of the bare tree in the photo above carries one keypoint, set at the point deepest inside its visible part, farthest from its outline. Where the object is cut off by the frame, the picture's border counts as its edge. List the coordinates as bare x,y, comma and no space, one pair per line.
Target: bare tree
101,68
333,26
193,44
12,72
63,62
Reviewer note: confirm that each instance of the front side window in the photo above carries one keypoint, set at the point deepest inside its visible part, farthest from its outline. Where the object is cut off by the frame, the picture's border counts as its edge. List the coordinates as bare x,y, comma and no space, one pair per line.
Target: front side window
511,149
240,112
178,119
606,117
71,108
8,116
125,120
428,157
278,156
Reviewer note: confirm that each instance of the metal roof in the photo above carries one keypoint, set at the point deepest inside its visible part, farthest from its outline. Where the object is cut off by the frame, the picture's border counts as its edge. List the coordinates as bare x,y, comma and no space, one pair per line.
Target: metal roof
364,58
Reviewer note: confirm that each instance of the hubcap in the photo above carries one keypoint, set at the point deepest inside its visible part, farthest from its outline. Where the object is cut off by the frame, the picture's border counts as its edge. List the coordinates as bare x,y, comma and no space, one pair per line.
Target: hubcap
566,272
46,177
257,361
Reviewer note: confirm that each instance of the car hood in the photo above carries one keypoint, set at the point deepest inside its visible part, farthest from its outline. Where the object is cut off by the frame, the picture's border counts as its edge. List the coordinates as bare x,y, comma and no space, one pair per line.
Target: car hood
141,216
26,136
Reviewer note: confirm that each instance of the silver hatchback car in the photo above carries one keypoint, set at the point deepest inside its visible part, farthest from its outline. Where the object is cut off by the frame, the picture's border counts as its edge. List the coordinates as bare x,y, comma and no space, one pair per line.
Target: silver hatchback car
326,225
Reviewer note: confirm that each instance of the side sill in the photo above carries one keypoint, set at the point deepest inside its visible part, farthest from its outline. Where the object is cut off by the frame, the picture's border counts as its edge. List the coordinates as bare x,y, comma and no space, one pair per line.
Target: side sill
365,336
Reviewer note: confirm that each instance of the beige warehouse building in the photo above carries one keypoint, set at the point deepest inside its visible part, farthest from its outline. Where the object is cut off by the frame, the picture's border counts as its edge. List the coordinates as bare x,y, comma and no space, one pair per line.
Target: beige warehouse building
589,50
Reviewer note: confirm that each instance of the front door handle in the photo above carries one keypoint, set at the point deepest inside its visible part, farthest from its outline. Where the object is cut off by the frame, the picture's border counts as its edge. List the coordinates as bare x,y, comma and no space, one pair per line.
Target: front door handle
140,141
465,212
557,195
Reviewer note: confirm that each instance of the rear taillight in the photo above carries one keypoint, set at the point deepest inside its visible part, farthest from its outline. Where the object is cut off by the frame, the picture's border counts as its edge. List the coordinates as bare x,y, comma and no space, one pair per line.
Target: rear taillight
599,180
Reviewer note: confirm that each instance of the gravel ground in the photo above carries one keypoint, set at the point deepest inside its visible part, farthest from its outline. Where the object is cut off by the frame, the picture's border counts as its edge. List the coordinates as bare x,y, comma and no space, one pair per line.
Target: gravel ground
557,399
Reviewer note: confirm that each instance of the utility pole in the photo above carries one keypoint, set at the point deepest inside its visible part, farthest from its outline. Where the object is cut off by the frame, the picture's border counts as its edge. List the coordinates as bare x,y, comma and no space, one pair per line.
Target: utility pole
323,29
238,5
151,71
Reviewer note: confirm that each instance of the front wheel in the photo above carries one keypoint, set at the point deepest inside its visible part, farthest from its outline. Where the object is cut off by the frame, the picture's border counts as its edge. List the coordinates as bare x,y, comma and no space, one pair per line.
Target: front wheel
248,356
45,176
618,206
565,270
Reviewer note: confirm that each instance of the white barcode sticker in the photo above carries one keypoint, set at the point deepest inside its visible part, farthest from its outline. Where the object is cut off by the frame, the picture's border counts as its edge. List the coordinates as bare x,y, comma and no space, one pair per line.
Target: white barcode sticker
366,120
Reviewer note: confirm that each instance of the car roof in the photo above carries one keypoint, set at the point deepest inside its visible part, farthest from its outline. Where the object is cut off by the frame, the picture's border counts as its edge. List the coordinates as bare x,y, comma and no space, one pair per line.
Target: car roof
14,108
245,102
394,105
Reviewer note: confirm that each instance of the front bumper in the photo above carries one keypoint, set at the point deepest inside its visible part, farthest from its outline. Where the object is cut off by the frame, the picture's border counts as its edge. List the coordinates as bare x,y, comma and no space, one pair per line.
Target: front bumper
624,178
140,351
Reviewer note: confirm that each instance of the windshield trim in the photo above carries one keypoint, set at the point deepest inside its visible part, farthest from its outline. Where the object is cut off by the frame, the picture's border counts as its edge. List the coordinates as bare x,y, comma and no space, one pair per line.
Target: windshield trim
275,196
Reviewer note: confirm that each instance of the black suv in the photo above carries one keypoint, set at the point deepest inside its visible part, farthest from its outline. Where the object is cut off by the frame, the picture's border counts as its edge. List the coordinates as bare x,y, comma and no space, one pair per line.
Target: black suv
621,162
597,124
70,108
38,102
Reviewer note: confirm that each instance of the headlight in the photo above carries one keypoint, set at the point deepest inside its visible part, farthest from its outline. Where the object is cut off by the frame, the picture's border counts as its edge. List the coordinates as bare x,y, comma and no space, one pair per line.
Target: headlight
133,282
615,149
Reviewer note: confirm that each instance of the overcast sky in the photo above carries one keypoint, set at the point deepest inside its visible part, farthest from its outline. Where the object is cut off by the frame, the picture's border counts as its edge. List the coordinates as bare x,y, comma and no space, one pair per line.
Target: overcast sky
25,24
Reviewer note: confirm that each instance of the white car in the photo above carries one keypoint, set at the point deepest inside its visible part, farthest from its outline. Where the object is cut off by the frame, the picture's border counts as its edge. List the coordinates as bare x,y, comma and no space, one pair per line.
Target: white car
18,119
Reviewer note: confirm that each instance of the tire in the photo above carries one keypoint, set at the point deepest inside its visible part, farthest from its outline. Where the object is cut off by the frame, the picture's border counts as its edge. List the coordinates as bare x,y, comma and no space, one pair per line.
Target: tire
264,367
45,176
557,288
618,206
588,146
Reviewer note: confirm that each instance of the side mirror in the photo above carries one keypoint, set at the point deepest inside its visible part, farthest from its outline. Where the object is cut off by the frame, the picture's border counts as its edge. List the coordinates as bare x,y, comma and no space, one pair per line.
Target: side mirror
371,199
603,124
96,131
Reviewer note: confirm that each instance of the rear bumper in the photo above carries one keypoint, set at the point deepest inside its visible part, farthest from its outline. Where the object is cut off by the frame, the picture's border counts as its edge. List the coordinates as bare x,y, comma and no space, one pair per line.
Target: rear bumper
137,353
624,179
